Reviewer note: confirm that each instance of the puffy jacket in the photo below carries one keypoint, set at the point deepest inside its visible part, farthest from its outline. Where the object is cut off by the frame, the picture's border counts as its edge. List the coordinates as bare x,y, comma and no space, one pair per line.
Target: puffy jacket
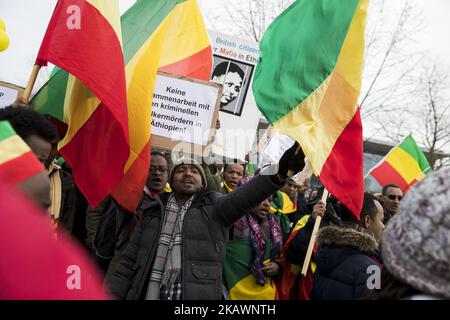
205,236
343,262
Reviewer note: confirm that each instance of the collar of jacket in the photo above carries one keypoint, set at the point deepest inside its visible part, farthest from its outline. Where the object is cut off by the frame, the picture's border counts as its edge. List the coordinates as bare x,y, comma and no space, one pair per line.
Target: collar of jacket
335,236
201,197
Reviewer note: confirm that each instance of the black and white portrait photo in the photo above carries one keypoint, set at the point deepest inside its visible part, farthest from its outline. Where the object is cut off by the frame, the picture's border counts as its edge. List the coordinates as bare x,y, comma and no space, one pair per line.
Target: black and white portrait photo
233,75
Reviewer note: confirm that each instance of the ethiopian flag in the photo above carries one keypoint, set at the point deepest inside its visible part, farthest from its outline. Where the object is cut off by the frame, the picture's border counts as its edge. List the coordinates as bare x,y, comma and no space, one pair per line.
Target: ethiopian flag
84,38
165,35
292,285
17,162
307,83
282,203
238,279
404,165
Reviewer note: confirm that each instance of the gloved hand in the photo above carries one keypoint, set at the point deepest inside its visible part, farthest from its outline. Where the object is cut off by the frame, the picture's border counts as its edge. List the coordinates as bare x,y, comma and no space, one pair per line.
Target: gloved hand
291,160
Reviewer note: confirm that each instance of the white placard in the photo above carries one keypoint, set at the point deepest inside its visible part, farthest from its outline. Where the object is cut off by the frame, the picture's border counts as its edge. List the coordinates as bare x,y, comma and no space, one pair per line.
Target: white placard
277,146
183,109
7,96
233,67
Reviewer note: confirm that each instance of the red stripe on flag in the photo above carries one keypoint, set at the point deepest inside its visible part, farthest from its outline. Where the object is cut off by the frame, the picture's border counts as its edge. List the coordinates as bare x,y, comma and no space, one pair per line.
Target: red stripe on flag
342,173
91,52
28,241
19,169
97,154
197,66
129,191
386,174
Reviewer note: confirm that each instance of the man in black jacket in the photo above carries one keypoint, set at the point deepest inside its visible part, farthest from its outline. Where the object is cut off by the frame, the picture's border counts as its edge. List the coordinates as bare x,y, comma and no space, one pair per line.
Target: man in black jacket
346,258
177,248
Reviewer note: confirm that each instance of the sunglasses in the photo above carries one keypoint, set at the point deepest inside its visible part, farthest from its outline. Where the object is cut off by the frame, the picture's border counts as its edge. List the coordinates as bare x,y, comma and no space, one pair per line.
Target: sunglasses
392,197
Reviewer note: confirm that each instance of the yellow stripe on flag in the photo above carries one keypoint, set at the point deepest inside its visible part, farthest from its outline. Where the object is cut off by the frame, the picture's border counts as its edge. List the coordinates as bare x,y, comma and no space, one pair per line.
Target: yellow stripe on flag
186,21
405,165
78,96
288,205
141,76
318,121
247,289
12,148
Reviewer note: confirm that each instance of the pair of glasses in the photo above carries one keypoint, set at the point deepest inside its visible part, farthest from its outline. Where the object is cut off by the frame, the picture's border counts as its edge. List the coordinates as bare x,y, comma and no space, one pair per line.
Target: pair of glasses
154,169
392,197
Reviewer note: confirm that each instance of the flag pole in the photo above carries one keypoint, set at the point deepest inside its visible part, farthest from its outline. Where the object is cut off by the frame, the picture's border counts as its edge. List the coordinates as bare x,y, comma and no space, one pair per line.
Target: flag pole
312,241
31,81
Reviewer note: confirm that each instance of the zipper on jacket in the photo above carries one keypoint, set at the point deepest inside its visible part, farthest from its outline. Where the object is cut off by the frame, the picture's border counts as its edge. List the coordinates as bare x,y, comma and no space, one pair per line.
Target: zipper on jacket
216,244
145,277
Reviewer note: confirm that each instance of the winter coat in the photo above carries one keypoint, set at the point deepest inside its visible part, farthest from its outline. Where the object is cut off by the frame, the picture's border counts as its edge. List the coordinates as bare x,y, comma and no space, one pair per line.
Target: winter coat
204,240
343,262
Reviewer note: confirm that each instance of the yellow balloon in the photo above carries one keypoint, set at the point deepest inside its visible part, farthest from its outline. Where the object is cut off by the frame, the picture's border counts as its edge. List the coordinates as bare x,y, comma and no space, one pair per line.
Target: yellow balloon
2,25
4,41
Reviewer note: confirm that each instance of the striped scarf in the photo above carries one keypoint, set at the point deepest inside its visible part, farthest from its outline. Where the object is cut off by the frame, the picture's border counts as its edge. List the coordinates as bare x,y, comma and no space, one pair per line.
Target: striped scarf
166,270
257,241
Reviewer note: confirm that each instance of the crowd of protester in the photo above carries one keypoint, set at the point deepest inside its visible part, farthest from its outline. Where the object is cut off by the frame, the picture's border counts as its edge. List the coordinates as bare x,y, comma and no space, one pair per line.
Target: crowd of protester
176,244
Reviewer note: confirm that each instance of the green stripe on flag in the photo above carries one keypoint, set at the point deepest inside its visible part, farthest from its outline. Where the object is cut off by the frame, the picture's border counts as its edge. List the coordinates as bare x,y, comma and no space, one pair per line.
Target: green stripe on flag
50,98
238,259
140,21
311,50
6,130
410,146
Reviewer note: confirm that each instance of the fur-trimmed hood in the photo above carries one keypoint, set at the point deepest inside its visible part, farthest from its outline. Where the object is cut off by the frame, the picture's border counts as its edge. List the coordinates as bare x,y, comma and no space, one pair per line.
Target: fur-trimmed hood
344,251
347,237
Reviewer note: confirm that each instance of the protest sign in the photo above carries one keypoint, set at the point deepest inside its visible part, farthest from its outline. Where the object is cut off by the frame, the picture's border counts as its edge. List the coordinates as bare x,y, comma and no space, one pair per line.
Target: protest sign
8,93
184,111
233,67
277,146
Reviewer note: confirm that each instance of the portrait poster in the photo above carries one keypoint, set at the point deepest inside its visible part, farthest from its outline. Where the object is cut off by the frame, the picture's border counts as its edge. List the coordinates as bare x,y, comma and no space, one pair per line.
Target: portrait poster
233,67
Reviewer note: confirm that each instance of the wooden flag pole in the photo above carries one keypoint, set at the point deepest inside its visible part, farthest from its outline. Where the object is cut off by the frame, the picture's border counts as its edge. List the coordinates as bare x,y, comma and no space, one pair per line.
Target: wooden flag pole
31,81
312,241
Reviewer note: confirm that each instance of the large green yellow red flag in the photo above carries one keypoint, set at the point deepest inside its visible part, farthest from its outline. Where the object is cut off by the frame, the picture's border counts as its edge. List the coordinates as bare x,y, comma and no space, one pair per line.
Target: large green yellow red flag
404,165
17,162
161,35
84,38
307,83
157,35
238,279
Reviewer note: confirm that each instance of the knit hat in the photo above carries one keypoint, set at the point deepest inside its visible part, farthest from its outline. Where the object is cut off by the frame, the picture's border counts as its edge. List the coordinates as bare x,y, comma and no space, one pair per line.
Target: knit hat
416,242
188,161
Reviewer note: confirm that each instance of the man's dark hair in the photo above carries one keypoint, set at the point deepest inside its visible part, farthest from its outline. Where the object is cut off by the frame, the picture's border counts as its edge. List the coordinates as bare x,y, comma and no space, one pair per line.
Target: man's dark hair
369,208
27,123
225,166
157,153
386,187
163,154
222,67
346,216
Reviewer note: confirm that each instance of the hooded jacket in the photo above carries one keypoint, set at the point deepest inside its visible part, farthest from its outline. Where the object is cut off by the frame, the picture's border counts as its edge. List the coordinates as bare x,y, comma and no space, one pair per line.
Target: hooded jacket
344,263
